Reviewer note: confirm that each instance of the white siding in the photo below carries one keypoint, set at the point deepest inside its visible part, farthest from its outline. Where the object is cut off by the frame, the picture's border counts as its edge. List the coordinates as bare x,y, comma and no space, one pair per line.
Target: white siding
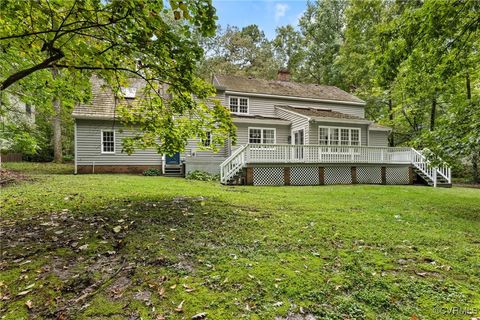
378,138
89,146
298,122
282,133
266,106
193,149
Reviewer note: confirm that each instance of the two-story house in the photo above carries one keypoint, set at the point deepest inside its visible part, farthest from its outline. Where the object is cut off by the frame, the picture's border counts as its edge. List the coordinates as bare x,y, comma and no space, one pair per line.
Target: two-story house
287,134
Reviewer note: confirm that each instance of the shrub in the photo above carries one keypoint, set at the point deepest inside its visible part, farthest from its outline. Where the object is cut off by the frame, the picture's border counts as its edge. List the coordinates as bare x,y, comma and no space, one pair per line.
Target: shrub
152,172
202,176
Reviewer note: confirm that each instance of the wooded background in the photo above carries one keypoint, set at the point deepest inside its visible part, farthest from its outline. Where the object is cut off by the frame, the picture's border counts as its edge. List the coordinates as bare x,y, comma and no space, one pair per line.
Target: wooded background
415,63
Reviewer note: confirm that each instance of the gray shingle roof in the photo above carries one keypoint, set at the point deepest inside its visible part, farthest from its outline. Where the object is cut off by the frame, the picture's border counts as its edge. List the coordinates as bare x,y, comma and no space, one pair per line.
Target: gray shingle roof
283,88
103,101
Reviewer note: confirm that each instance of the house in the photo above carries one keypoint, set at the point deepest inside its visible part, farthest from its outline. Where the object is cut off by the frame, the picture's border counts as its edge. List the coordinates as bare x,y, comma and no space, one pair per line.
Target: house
17,113
287,134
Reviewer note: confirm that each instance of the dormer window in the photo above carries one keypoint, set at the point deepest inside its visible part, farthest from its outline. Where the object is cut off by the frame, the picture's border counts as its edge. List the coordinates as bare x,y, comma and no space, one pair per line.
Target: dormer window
238,105
128,93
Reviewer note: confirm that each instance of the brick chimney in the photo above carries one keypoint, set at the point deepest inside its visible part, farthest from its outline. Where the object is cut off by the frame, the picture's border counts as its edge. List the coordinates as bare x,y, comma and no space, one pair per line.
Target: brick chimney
283,75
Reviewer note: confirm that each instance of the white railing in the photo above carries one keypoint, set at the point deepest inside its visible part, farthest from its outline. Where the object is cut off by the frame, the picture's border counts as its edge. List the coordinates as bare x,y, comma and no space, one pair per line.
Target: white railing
233,164
287,153
432,172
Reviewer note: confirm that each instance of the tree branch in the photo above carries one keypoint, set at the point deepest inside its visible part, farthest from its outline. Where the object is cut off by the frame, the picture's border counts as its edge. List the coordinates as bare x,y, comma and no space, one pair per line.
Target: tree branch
45,64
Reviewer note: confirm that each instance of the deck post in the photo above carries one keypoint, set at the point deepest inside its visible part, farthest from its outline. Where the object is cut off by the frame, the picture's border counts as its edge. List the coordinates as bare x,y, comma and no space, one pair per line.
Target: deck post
354,175
286,176
321,175
249,176
384,175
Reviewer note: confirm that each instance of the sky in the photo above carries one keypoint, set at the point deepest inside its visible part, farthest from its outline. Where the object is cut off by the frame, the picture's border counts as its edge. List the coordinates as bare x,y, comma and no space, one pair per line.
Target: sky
267,14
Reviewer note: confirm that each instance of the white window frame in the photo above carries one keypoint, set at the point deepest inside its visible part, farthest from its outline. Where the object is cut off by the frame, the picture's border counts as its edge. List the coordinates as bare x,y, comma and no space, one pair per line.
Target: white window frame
261,134
339,145
238,100
114,142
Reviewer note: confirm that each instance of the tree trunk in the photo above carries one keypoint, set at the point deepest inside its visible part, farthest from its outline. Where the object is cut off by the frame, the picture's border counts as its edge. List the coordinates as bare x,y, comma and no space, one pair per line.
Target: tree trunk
475,172
391,139
57,124
469,88
433,114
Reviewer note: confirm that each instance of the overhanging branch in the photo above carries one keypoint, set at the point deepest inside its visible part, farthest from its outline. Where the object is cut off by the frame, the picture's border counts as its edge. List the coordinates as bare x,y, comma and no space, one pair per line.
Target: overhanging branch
45,64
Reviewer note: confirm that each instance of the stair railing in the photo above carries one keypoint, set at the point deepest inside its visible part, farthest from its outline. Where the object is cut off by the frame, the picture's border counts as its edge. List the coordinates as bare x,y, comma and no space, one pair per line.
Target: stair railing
432,172
233,164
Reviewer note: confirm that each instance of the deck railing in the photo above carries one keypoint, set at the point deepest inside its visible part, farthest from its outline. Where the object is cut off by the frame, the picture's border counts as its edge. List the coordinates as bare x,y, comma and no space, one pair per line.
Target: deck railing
288,154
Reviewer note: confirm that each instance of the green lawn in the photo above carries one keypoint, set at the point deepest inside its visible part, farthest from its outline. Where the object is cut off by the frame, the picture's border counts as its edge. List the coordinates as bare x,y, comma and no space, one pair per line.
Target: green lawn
126,246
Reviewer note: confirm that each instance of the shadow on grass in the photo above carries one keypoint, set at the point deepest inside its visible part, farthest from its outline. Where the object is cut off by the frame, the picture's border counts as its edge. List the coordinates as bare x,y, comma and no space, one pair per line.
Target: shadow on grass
54,264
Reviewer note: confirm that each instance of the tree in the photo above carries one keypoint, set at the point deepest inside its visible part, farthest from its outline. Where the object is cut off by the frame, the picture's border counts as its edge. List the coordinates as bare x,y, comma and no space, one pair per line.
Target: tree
288,48
117,40
322,27
244,52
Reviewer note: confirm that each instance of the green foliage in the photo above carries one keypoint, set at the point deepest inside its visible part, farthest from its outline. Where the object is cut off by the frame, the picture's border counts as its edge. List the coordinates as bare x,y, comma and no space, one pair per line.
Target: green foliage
202,176
115,40
322,27
152,172
243,52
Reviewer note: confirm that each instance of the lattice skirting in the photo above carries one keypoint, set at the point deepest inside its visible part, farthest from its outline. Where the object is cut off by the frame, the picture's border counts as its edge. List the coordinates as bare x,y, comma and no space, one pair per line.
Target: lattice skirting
369,175
268,176
338,175
397,175
304,176
311,175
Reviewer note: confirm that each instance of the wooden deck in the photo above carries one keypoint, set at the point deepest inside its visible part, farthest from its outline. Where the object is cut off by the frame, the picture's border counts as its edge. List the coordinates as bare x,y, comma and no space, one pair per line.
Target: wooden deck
277,155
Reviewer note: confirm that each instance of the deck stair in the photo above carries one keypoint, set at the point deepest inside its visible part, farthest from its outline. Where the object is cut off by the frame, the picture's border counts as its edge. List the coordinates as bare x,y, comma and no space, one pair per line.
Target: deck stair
435,176
231,170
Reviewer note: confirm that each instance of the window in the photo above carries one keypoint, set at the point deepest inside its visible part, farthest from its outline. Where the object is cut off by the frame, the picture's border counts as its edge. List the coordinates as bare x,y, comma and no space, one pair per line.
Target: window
338,136
128,93
207,142
238,105
108,141
261,135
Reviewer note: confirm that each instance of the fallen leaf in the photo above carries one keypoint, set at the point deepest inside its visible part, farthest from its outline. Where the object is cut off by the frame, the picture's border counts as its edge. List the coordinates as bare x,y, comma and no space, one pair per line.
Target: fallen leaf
200,315
117,229
179,308
161,291
278,304
173,286
29,304
84,247
22,293
30,286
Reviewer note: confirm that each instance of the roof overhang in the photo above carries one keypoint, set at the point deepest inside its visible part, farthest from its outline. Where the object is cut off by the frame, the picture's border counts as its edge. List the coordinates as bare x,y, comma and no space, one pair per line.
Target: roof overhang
265,95
384,129
261,121
93,117
341,120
